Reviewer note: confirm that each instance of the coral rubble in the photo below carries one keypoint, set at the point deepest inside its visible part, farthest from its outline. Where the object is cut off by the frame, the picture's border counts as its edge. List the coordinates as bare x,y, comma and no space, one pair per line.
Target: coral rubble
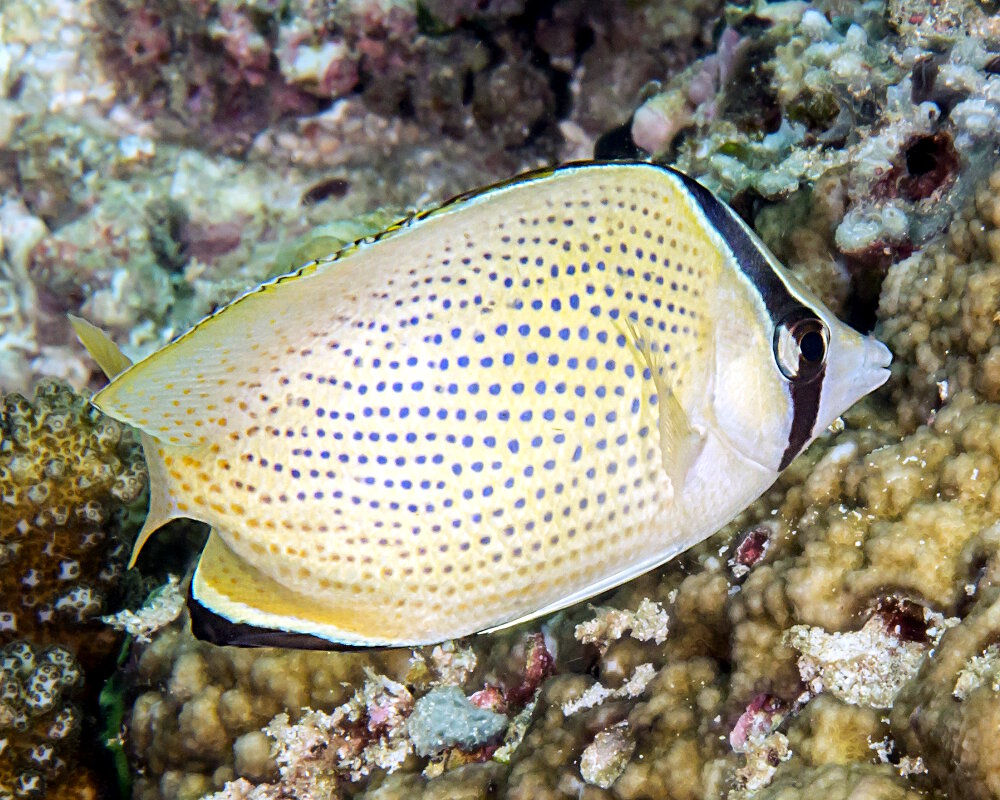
265,723
199,709
866,667
161,608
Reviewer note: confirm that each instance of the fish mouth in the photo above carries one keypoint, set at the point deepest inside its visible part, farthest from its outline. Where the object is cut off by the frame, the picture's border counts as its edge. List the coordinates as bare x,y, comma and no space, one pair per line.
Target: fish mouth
877,360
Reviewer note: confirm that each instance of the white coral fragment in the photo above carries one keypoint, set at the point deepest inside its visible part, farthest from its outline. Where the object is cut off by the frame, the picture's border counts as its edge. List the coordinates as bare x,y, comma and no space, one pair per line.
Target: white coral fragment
648,622
763,756
866,667
905,766
979,671
453,665
598,693
161,608
605,758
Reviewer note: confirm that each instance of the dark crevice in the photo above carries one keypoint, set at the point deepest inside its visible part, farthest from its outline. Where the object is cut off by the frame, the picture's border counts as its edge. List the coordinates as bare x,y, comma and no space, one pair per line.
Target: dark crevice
861,308
618,145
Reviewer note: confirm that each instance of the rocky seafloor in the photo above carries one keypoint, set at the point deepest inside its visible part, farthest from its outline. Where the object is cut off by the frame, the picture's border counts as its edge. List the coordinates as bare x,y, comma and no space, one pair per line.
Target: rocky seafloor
841,636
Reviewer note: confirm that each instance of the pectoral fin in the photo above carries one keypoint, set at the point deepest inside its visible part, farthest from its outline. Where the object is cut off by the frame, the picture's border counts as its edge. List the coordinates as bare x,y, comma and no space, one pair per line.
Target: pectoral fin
680,442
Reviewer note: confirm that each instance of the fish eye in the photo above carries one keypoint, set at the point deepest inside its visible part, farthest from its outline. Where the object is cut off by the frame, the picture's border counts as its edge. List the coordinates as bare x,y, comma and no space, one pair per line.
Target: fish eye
800,345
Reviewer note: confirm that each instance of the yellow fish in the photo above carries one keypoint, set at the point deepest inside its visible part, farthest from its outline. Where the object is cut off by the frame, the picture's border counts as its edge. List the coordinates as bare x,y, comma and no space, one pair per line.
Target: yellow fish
489,412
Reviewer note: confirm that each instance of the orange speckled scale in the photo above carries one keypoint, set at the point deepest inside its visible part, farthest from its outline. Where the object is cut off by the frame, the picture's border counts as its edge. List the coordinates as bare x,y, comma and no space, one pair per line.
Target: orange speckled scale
494,410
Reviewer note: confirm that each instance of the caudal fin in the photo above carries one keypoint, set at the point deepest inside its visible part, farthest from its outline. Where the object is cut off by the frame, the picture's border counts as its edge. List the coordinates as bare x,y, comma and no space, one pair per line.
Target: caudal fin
114,362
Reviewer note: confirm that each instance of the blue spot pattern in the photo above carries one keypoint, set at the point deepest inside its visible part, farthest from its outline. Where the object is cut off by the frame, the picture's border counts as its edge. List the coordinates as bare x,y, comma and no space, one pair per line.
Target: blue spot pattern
494,395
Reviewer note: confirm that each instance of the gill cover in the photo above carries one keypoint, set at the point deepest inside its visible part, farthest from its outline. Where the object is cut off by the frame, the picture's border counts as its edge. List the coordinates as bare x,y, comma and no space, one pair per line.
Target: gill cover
770,409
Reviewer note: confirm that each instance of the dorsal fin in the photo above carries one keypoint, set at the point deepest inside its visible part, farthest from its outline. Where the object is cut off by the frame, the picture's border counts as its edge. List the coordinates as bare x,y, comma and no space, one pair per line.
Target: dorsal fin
114,362
105,352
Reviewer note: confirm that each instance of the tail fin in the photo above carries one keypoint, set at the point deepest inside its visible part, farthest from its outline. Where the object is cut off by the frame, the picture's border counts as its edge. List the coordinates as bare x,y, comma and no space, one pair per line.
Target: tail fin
114,362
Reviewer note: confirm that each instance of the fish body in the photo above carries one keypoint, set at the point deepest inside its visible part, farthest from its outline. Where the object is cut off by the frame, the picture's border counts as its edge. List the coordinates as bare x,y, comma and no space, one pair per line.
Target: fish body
492,411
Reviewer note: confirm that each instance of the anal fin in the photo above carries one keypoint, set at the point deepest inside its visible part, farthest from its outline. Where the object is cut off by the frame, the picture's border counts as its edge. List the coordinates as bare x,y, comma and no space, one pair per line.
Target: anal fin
234,603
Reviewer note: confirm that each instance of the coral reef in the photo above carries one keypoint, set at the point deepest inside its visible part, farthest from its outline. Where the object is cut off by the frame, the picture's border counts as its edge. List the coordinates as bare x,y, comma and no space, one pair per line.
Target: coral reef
39,720
950,721
850,121
495,73
158,160
199,709
265,723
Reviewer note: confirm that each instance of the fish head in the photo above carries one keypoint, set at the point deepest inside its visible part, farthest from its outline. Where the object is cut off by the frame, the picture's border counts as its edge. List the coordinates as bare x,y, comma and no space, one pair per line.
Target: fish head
784,367
855,365
783,376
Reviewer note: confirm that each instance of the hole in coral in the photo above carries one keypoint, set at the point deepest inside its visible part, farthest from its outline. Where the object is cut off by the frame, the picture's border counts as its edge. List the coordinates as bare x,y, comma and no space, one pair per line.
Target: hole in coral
931,163
903,617
925,73
325,189
921,157
16,87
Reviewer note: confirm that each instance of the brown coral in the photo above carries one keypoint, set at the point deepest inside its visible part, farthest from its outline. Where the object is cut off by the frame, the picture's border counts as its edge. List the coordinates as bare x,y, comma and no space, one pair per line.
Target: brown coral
64,470
956,731
196,721
39,718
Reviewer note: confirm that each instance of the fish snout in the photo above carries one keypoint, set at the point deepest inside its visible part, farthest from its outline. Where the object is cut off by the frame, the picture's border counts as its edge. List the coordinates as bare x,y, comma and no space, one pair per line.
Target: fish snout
877,358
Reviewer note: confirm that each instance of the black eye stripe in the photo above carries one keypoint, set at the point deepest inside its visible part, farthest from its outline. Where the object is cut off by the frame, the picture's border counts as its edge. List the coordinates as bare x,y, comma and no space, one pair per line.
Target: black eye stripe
805,409
779,302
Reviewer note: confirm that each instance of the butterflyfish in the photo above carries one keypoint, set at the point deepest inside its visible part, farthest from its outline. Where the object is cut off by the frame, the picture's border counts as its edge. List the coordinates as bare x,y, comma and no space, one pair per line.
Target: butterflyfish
491,411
